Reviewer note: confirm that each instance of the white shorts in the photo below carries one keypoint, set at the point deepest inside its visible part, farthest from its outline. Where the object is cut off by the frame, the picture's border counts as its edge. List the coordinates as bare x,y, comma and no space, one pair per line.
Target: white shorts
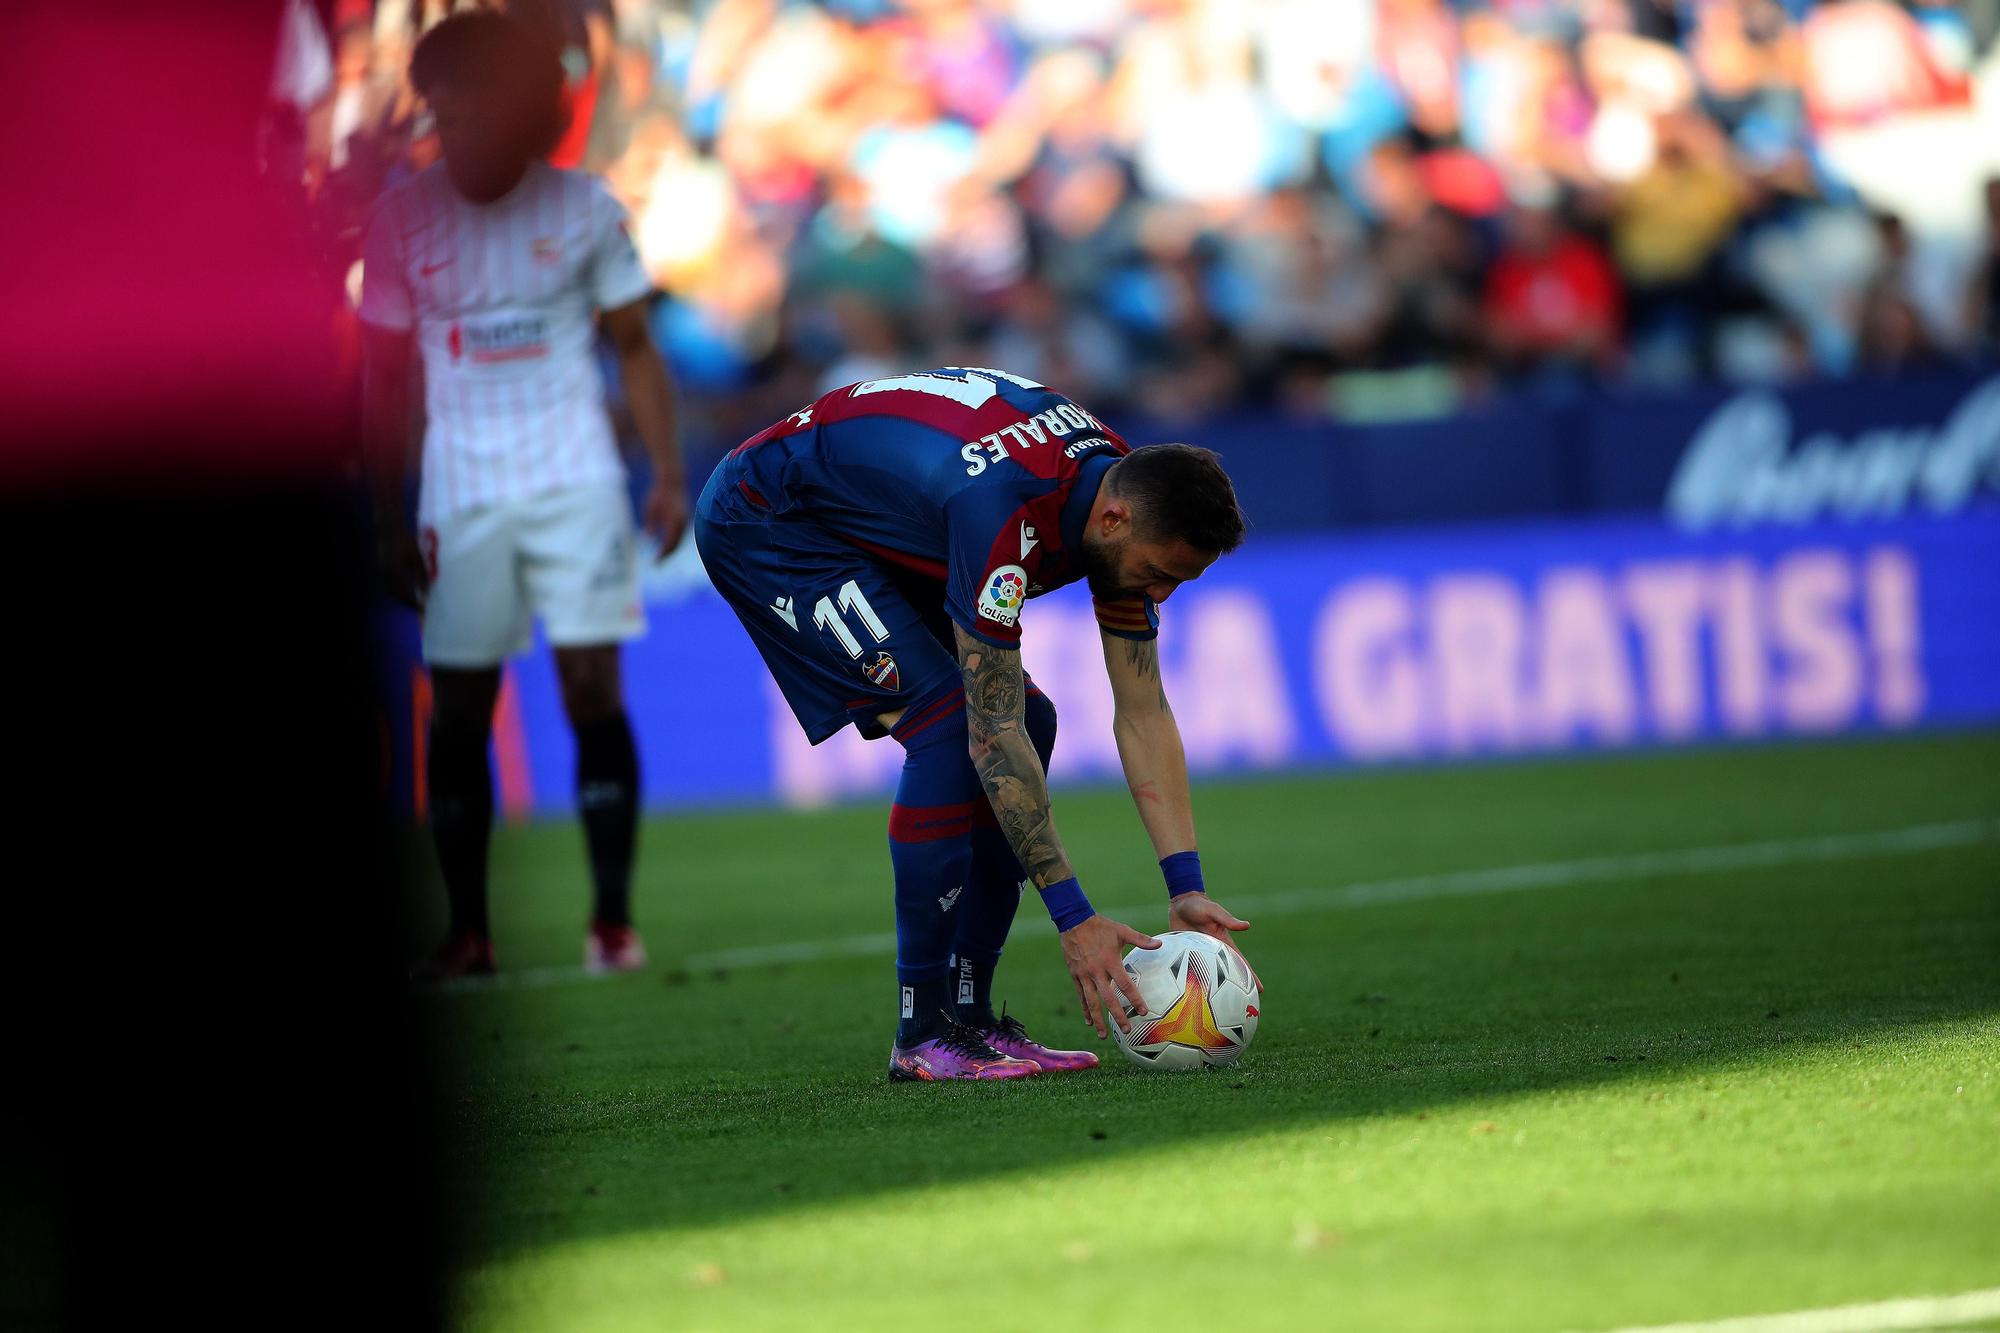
569,556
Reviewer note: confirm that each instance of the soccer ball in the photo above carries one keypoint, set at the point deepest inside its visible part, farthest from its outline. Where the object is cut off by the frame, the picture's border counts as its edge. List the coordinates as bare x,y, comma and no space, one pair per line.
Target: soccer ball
1201,1003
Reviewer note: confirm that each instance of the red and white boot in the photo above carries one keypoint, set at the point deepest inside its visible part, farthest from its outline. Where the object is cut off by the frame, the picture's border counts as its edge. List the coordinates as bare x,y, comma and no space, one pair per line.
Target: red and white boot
461,955
612,949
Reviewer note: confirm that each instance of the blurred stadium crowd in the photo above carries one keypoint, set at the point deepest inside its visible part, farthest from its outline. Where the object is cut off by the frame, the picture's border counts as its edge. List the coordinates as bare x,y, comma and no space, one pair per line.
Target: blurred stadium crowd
1183,206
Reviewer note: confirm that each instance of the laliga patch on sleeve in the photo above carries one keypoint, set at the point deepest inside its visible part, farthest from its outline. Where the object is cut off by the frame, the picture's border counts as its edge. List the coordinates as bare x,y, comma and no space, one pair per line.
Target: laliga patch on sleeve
1000,600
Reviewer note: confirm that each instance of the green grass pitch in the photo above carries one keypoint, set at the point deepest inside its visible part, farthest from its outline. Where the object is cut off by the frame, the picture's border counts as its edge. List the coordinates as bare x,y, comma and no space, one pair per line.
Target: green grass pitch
1637,1098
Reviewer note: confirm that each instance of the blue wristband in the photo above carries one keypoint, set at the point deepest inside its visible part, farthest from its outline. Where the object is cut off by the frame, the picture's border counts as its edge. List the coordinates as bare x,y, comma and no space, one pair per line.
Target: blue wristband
1183,872
1068,908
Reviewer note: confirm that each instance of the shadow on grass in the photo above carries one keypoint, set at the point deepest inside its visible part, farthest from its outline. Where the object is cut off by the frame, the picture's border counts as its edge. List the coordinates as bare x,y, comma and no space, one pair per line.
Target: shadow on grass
638,1106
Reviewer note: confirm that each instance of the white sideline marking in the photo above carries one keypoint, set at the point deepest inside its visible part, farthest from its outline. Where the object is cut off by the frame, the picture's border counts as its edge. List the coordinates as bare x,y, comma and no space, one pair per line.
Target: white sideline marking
1369,893
1916,1312
1460,883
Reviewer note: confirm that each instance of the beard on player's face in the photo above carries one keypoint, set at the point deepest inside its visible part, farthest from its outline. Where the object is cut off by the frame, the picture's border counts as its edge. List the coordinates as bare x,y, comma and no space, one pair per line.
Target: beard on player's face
1103,561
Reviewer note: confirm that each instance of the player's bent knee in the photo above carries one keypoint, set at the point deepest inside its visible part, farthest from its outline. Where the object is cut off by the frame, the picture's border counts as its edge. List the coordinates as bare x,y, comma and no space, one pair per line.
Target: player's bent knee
933,721
1040,718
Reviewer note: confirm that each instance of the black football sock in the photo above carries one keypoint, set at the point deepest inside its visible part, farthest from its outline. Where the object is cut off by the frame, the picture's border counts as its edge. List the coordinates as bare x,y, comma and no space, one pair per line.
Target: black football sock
460,789
607,799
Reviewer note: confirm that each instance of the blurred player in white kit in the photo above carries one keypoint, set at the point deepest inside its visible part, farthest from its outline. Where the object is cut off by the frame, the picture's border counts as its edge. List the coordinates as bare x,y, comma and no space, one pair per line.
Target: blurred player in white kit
497,267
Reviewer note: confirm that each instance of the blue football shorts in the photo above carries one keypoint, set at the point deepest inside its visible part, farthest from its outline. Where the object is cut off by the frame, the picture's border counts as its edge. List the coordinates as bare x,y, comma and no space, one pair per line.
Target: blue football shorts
845,635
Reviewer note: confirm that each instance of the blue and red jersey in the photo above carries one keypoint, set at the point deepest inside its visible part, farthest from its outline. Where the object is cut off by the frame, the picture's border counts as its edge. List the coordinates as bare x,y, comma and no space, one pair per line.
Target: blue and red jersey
977,479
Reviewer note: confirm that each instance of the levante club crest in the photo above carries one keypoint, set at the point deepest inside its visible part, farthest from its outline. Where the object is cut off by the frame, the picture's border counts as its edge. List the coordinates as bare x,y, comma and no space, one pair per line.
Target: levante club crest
881,670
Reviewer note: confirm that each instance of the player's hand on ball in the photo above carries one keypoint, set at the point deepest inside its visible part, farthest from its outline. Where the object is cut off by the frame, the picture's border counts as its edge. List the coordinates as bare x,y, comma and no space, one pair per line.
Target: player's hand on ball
405,573
666,515
1094,952
1197,911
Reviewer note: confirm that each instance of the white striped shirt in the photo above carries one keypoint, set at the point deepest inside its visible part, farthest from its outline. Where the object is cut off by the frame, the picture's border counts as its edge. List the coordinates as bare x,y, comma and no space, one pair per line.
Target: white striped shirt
502,296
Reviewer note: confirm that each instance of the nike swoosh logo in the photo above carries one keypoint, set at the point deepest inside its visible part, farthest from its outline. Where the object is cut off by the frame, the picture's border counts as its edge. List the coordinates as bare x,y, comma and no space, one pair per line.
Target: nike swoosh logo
429,269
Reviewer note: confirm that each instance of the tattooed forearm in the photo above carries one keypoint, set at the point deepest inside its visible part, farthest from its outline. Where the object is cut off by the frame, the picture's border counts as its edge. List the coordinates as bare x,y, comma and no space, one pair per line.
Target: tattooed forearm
1143,656
1005,758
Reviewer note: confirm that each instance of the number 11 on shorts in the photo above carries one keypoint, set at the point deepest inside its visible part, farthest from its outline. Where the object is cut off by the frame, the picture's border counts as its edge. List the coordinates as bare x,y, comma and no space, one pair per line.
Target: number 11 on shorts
827,616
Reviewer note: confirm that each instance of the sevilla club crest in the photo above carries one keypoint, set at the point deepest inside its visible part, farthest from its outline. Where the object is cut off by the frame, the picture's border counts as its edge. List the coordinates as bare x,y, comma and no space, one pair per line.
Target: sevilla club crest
881,671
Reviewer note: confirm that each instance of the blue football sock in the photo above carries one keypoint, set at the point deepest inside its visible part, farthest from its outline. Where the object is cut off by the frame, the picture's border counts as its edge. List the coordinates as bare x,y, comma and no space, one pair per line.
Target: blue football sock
993,890
938,800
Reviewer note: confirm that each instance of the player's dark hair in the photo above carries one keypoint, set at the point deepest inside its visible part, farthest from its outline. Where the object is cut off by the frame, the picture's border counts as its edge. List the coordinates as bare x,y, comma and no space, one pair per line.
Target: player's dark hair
486,52
1180,491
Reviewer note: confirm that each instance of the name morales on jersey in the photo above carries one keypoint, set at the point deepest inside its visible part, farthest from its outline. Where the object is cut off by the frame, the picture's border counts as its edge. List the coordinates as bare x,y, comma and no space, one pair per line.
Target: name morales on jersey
1056,423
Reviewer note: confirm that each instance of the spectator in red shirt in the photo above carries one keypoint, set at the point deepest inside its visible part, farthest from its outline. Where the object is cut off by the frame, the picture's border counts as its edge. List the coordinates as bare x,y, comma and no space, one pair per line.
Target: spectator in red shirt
1552,296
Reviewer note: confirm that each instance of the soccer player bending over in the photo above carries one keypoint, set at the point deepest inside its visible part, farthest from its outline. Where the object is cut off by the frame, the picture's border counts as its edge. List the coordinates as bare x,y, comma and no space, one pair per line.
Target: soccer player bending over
493,263
879,546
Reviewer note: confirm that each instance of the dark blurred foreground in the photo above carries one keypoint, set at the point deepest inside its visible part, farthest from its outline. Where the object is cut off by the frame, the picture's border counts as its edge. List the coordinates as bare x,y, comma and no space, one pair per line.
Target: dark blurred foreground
217,1110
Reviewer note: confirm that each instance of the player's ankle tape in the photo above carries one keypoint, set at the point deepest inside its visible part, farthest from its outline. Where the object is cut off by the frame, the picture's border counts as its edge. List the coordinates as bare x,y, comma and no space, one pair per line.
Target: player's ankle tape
1183,872
1067,906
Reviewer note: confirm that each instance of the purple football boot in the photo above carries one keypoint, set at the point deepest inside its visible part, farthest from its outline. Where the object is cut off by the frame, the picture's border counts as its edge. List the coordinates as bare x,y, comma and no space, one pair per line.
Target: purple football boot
1008,1037
957,1052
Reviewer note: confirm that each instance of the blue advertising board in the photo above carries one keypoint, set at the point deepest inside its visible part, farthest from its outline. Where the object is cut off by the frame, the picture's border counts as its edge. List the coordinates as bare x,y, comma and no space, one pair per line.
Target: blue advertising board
1704,457
1318,651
